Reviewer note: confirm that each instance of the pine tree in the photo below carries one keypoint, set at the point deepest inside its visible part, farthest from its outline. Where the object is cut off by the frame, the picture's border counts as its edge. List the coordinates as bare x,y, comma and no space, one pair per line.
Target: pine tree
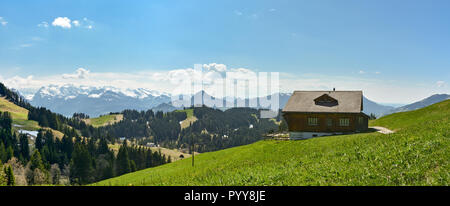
81,165
102,146
39,142
9,153
372,116
2,152
132,166
38,174
24,147
10,179
123,160
36,161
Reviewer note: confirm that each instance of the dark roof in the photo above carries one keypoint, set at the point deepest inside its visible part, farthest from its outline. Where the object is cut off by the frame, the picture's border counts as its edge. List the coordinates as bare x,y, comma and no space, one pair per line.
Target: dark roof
309,101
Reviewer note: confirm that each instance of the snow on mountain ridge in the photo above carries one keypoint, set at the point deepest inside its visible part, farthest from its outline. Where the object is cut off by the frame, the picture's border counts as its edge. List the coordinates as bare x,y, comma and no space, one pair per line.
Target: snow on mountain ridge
69,91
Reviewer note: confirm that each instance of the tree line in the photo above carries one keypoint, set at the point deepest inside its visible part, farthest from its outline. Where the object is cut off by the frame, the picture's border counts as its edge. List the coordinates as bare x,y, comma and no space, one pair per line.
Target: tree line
82,156
70,160
74,159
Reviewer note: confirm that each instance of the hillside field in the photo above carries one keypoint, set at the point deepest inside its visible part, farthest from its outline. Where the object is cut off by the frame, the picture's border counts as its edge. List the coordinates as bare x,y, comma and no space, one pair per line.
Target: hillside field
104,120
417,153
173,153
20,118
19,115
190,119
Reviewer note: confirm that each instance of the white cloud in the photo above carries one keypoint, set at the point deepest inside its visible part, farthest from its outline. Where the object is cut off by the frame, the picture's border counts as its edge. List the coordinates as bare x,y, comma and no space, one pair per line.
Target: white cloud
18,82
89,23
440,84
239,13
36,38
63,22
25,45
76,23
80,73
66,23
3,22
379,90
43,24
254,16
361,72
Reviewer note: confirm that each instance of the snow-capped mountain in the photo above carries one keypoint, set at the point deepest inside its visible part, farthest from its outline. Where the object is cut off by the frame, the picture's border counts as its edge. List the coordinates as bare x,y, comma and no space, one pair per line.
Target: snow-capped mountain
95,101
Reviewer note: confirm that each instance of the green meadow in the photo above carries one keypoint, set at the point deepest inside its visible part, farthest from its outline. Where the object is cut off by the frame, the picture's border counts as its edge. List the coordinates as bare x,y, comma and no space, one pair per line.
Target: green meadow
417,153
104,120
19,115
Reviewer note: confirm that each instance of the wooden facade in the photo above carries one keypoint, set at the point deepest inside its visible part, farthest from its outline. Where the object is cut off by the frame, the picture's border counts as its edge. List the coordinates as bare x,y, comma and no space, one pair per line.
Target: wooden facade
326,122
319,113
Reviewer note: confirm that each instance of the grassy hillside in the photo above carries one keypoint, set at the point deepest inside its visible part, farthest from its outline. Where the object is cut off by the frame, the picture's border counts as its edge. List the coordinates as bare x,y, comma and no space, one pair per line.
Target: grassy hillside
173,153
16,111
414,118
417,154
104,120
189,112
190,119
19,115
20,118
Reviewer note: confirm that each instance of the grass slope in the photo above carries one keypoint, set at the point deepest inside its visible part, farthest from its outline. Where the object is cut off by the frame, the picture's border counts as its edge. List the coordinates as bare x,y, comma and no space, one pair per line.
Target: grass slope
417,154
415,118
173,153
104,120
190,119
19,115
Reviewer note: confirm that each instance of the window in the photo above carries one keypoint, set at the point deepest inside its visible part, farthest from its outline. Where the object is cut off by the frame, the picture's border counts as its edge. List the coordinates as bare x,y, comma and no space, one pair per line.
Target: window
344,122
360,121
326,100
313,121
329,122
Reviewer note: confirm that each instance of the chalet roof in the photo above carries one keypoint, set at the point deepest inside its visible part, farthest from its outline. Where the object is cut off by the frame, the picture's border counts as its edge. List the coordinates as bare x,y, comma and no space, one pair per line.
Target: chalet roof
309,101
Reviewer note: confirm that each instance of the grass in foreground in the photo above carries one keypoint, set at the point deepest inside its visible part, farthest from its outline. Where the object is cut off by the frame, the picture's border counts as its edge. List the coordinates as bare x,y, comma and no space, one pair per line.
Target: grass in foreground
417,154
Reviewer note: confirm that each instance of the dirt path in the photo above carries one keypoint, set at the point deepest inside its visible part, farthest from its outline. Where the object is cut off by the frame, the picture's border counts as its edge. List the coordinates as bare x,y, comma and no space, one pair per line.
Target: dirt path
383,130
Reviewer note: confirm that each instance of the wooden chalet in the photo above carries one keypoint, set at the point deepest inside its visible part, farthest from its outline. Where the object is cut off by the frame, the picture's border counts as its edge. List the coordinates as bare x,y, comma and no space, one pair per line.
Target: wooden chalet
320,113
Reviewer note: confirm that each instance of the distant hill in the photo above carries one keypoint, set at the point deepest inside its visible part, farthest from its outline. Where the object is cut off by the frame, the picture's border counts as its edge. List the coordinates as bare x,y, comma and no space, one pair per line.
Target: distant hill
421,104
416,154
371,107
165,107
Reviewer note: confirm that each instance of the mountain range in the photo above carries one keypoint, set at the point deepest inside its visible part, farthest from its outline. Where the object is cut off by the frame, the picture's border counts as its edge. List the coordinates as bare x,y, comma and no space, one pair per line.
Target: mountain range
96,101
69,99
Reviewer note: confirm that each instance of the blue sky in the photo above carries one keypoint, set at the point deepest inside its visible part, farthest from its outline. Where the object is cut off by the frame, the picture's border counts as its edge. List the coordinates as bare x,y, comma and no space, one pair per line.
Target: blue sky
396,51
